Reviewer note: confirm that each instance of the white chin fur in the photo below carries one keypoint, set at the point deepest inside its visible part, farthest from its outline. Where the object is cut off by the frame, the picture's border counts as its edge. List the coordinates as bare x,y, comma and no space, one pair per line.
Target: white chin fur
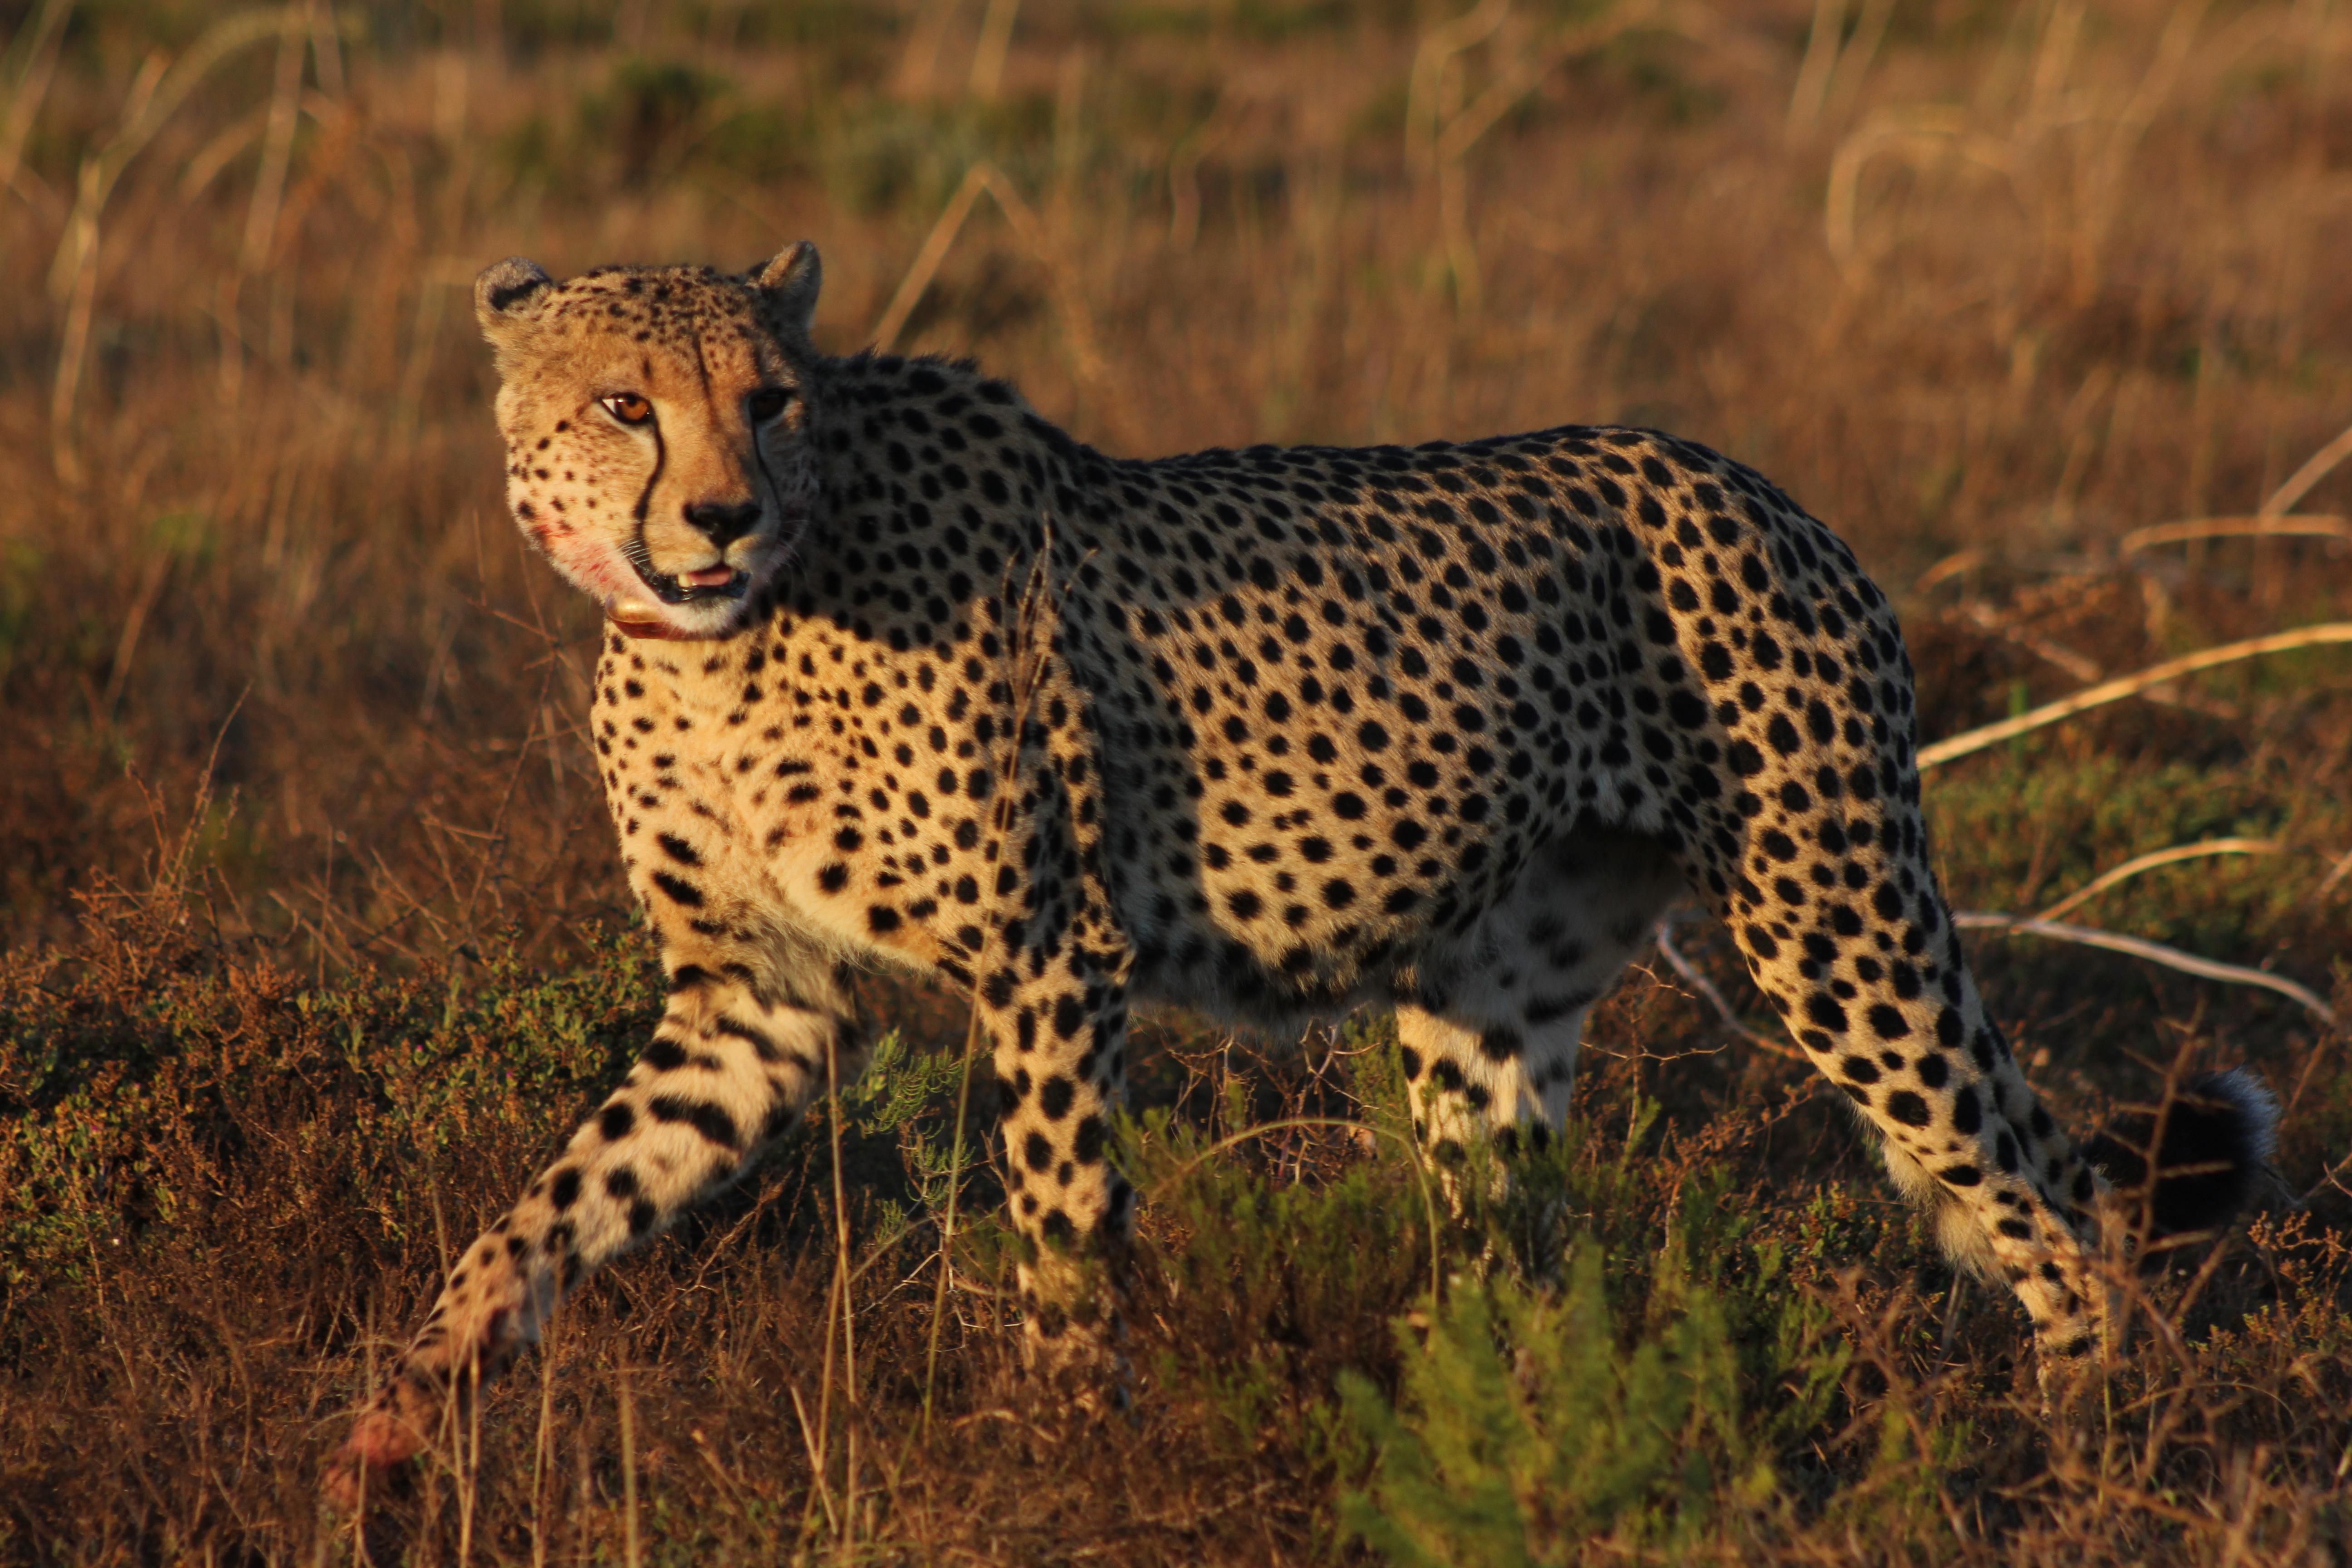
709,619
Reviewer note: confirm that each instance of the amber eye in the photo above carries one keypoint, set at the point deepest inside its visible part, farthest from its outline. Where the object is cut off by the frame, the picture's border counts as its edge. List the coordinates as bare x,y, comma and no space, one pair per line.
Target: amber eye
769,402
627,408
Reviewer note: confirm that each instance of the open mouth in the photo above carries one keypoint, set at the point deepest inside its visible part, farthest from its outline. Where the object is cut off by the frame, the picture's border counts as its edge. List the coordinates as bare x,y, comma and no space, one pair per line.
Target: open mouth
691,587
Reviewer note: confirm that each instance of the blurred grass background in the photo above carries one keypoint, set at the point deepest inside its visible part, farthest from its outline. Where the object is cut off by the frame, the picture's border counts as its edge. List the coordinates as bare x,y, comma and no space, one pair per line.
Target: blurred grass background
315,938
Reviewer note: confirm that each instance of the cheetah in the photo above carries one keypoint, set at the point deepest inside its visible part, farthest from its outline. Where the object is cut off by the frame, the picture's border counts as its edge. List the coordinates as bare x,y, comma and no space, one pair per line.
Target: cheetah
896,671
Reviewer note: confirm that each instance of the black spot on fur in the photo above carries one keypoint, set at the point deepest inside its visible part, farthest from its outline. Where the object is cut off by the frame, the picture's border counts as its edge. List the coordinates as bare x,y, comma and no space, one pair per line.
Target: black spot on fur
712,1121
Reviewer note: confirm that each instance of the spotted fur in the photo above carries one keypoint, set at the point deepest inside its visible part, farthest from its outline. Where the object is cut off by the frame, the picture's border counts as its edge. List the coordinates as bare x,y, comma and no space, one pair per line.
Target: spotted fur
1269,733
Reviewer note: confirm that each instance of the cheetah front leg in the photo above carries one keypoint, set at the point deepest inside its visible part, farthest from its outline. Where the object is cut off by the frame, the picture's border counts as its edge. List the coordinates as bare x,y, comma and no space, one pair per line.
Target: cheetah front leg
1058,1029
726,1075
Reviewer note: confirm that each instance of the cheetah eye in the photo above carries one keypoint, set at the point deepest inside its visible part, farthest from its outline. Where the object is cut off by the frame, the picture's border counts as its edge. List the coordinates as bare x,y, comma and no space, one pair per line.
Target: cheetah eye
769,402
627,408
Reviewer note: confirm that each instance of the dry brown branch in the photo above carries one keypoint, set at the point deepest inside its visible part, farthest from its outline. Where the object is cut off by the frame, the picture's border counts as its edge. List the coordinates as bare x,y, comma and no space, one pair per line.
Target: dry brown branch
2123,686
1950,567
1078,321
2139,947
2299,483
1664,935
2148,862
2257,527
2269,518
2040,648
1923,133
2336,873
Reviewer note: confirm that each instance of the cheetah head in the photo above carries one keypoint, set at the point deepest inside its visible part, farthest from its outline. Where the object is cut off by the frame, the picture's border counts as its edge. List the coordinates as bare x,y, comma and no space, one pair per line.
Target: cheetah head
657,424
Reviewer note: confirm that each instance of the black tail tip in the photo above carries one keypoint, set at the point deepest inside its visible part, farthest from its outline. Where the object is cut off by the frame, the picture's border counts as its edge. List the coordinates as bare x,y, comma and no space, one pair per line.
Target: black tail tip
2219,1134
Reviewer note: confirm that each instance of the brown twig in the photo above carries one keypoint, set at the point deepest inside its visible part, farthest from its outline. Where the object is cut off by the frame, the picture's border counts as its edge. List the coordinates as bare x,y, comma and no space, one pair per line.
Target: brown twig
2149,862
2258,527
2125,686
1699,982
2317,467
2138,947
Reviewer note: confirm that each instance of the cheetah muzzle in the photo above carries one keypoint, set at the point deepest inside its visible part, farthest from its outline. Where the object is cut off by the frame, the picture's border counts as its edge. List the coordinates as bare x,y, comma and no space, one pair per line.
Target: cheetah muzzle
899,671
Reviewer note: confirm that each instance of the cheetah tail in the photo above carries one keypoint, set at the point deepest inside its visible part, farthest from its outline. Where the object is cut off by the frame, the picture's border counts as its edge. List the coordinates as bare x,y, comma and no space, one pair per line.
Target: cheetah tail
2217,1138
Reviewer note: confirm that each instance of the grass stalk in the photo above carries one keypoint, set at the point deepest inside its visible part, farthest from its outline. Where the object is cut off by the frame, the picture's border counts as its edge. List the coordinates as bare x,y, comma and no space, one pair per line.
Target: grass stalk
2153,951
844,1291
2154,858
632,1547
2122,686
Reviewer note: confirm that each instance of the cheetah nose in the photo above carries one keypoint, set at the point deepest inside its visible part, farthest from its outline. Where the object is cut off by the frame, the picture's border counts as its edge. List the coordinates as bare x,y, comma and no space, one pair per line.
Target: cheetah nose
723,522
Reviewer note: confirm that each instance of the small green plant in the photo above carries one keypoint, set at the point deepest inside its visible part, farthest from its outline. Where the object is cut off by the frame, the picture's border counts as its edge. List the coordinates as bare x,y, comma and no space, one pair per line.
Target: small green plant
906,1095
1270,1277
1531,1420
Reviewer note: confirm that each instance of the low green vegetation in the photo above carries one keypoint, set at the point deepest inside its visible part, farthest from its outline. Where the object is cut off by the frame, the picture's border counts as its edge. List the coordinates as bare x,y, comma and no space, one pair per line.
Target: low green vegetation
1694,1326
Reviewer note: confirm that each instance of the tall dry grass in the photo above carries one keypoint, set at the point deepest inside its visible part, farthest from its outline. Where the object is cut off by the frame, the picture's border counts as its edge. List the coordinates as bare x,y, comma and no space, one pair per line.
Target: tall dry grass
2004,278
296,778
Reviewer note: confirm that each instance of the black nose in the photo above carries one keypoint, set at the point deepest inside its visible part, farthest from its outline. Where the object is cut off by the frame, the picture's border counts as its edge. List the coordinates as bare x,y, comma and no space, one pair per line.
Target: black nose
724,521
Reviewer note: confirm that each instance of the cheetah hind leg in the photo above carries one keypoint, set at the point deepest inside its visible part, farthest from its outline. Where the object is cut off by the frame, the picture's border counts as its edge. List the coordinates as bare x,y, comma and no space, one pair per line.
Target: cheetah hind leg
1872,982
1490,1052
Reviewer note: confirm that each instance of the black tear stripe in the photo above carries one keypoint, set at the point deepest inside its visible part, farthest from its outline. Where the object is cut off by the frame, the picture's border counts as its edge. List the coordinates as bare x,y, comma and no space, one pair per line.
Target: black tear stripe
644,509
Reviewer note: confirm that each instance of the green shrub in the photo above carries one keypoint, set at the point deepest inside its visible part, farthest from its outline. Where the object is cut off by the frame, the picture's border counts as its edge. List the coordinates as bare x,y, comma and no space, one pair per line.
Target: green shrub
1532,1419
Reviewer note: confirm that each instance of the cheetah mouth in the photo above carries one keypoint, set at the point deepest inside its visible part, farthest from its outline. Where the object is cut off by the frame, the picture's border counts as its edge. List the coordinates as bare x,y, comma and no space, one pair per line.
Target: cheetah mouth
720,582
694,587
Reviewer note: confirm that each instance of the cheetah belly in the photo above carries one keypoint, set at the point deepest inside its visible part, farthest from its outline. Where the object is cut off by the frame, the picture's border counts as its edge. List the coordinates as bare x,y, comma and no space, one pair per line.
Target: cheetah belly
1289,838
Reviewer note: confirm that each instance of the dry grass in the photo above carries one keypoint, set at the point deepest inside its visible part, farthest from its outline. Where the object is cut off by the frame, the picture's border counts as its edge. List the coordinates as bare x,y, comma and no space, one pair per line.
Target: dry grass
316,938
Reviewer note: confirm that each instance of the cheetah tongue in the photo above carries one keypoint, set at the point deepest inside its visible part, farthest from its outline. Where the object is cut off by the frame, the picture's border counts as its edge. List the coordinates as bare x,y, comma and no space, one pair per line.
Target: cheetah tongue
709,577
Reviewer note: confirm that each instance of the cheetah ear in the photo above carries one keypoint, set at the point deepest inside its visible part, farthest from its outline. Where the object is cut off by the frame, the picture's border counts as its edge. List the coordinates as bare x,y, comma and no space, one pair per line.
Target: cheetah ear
506,295
790,280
